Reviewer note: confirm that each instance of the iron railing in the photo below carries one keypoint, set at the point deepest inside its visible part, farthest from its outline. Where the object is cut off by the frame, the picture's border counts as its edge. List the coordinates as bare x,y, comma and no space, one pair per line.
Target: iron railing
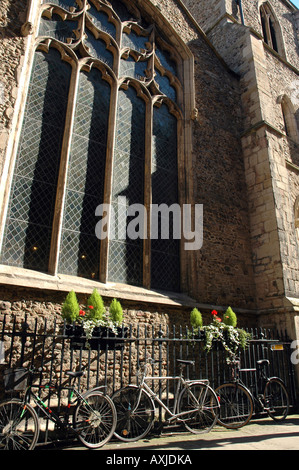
114,362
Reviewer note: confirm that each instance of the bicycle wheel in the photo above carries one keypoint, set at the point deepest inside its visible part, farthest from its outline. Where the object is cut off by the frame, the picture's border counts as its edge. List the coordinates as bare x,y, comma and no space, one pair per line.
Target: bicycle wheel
135,413
199,405
95,419
236,405
19,427
276,399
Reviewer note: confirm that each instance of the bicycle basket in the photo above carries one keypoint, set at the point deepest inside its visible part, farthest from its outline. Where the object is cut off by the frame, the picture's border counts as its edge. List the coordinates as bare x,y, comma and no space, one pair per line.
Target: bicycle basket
15,380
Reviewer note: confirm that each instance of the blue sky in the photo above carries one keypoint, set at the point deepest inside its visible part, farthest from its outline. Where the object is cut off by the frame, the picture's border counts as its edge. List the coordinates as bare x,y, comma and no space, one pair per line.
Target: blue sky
296,2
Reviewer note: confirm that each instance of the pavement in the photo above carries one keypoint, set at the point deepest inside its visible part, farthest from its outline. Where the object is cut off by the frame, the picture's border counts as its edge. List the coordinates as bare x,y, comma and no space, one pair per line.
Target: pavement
260,434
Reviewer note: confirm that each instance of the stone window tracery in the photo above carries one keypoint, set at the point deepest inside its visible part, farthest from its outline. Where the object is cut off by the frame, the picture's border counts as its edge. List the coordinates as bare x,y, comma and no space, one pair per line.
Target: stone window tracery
104,105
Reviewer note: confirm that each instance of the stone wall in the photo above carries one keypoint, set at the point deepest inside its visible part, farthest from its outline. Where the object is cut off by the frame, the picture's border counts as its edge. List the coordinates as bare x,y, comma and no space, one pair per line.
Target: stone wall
11,51
47,304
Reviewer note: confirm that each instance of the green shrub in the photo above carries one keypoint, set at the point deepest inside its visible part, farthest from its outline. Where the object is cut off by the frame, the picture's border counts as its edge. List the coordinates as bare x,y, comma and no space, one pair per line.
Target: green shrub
116,312
70,308
95,300
230,318
196,318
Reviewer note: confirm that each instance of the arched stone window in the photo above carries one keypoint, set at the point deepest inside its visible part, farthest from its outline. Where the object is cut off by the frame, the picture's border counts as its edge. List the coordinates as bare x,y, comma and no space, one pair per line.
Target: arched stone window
102,124
271,28
289,119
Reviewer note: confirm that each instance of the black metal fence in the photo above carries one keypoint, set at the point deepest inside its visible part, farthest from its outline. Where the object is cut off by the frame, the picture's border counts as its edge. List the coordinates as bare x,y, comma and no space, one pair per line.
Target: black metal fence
113,362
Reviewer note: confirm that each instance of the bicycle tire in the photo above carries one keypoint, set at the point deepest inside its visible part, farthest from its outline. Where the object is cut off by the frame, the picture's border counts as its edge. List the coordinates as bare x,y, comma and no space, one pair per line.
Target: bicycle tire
135,413
276,399
236,405
201,403
95,419
19,426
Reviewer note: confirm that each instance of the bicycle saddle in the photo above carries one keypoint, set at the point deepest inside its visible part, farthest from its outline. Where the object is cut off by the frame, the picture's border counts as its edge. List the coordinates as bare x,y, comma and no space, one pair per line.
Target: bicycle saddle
182,361
75,374
263,362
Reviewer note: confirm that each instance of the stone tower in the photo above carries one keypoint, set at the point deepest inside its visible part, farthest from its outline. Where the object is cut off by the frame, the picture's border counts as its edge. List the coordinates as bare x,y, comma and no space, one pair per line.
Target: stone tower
259,41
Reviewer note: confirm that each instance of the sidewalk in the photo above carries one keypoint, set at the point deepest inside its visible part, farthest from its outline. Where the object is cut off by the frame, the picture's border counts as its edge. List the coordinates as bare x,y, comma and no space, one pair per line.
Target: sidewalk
259,434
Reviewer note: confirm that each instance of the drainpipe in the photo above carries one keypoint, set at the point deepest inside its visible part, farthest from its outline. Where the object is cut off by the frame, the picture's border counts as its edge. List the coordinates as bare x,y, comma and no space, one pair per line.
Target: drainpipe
239,2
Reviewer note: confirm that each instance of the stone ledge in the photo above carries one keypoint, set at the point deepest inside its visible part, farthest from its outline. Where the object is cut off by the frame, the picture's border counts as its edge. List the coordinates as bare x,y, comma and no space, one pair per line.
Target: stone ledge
29,279
20,277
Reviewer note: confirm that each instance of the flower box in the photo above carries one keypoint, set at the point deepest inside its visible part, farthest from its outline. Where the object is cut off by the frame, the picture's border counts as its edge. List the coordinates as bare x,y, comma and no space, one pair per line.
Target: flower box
102,337
113,340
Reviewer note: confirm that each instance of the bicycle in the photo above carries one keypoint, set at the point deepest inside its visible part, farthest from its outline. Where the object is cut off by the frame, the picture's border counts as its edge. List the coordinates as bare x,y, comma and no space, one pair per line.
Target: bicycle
93,413
195,405
238,402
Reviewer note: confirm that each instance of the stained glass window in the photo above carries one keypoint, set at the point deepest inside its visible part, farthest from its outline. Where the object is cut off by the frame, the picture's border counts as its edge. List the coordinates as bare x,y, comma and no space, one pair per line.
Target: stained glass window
100,125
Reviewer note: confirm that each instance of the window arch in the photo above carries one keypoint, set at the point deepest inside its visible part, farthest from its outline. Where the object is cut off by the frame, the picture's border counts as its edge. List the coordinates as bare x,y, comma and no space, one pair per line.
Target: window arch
271,28
104,105
289,119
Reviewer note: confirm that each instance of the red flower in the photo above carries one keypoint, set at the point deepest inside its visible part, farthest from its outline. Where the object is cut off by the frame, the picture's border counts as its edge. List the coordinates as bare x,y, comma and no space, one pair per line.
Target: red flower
90,306
81,313
214,312
218,319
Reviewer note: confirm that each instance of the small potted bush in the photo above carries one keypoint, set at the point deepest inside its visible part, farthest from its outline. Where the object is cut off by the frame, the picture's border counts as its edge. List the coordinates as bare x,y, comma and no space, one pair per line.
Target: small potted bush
196,321
113,328
70,312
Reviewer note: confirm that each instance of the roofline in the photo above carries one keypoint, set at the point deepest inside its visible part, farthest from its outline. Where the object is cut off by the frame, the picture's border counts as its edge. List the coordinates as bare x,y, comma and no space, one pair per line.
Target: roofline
289,4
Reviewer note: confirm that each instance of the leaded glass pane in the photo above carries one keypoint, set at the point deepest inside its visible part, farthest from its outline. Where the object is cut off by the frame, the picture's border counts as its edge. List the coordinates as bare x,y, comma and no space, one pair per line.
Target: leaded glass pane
165,271
165,262
166,61
130,68
97,49
164,85
101,21
79,254
66,4
31,207
134,41
121,10
125,262
125,255
57,28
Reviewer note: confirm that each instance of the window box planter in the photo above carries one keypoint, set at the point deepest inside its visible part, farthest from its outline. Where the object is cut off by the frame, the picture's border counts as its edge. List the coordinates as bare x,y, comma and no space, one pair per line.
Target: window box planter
103,338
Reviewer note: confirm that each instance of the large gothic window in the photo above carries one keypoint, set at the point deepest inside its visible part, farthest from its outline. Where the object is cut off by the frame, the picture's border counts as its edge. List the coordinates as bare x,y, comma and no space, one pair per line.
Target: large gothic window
101,121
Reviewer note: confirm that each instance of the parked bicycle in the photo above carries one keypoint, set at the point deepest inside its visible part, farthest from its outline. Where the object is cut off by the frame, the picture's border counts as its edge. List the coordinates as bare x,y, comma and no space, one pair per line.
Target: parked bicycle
195,405
93,414
238,402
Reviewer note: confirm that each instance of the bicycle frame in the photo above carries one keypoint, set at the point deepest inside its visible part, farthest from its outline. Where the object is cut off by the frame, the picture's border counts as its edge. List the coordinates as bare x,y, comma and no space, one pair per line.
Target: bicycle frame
181,385
262,379
48,412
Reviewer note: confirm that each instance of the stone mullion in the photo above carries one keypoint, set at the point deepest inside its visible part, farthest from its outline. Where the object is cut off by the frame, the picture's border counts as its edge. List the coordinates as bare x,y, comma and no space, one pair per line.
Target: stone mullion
148,195
107,200
269,36
107,197
63,170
